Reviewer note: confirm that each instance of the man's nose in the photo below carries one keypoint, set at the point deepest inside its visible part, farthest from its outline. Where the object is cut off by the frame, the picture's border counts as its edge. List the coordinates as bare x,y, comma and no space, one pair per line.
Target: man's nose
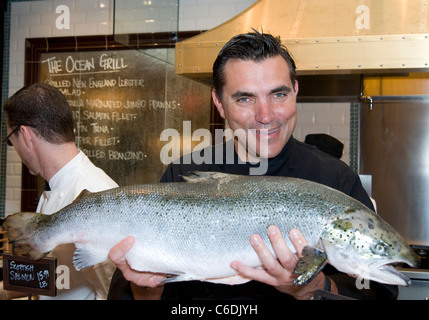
265,112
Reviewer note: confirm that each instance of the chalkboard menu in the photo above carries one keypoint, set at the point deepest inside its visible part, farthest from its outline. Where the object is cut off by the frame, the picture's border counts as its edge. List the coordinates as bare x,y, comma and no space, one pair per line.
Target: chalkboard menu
32,277
122,101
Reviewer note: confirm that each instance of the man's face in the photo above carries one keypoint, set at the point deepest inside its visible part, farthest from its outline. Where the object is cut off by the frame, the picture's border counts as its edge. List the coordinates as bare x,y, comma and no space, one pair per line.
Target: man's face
262,97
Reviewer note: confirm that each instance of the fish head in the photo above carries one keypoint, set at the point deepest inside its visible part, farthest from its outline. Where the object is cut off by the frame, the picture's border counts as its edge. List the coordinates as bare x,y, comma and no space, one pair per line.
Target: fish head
363,245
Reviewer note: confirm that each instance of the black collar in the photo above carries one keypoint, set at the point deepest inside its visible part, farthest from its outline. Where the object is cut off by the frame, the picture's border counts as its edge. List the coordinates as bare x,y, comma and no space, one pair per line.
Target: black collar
281,165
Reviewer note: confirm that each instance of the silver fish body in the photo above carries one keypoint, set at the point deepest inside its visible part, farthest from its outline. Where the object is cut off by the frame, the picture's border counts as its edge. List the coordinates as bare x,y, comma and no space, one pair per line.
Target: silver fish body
195,230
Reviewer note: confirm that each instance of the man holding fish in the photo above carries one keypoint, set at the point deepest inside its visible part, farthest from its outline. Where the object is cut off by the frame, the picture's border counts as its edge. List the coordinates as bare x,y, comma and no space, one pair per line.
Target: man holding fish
255,89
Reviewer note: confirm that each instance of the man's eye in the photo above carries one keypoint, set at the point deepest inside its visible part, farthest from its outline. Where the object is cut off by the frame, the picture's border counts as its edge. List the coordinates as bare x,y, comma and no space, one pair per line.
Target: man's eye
245,100
280,95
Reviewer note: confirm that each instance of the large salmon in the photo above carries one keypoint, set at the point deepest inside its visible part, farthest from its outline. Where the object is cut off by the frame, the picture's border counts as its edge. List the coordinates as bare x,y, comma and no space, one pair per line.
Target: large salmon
194,230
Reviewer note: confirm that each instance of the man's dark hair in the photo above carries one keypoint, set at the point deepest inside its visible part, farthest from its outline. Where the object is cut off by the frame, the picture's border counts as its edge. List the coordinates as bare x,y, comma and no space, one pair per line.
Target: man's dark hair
253,46
43,108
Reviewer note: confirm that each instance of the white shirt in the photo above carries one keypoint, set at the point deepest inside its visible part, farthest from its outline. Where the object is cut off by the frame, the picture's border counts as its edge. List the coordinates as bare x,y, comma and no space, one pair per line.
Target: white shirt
77,175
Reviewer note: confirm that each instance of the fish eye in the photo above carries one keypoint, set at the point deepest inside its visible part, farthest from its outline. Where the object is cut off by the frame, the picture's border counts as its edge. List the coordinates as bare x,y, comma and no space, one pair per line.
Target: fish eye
379,248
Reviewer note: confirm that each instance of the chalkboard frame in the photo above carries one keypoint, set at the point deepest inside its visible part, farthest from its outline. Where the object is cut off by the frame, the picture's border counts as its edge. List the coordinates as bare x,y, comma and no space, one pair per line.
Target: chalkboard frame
32,186
48,263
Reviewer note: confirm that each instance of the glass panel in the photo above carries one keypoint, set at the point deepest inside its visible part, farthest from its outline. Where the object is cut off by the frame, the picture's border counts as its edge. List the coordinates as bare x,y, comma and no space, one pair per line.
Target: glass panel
134,17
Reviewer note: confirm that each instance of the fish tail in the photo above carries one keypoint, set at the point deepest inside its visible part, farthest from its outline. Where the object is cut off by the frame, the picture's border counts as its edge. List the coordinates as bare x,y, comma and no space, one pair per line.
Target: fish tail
20,229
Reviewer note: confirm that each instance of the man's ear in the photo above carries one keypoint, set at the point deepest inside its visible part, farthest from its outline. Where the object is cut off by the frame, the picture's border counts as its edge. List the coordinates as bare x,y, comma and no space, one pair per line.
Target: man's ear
27,135
218,104
296,87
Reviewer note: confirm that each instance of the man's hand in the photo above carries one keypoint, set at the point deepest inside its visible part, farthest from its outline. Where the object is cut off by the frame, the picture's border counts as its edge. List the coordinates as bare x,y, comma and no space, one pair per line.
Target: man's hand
278,271
144,285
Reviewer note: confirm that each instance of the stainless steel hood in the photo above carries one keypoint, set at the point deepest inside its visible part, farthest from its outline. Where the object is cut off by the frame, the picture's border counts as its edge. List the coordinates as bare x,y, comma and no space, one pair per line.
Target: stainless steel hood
325,36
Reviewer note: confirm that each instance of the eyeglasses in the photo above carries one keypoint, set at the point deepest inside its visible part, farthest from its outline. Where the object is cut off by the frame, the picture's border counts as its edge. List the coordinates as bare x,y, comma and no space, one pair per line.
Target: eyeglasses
7,139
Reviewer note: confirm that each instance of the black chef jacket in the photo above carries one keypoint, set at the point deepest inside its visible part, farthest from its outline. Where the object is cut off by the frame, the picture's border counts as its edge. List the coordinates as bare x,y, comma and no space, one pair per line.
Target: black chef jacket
298,160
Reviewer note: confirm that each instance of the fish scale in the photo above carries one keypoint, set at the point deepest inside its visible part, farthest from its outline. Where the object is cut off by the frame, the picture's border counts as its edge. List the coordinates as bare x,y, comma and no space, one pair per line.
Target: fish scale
194,230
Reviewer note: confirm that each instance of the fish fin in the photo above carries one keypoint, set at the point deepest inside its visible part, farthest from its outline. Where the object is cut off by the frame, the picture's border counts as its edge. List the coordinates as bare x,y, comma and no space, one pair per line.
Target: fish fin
85,256
207,176
231,280
19,231
83,194
309,265
177,277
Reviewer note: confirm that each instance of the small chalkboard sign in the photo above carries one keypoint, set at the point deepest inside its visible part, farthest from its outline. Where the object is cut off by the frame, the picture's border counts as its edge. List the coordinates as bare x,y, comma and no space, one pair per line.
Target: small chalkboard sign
33,277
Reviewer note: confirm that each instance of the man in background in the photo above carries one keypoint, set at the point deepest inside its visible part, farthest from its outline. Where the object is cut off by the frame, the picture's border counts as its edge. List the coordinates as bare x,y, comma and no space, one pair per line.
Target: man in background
40,128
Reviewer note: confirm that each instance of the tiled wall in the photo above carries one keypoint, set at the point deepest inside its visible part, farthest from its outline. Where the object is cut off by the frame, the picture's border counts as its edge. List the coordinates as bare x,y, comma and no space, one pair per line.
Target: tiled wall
329,118
30,19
